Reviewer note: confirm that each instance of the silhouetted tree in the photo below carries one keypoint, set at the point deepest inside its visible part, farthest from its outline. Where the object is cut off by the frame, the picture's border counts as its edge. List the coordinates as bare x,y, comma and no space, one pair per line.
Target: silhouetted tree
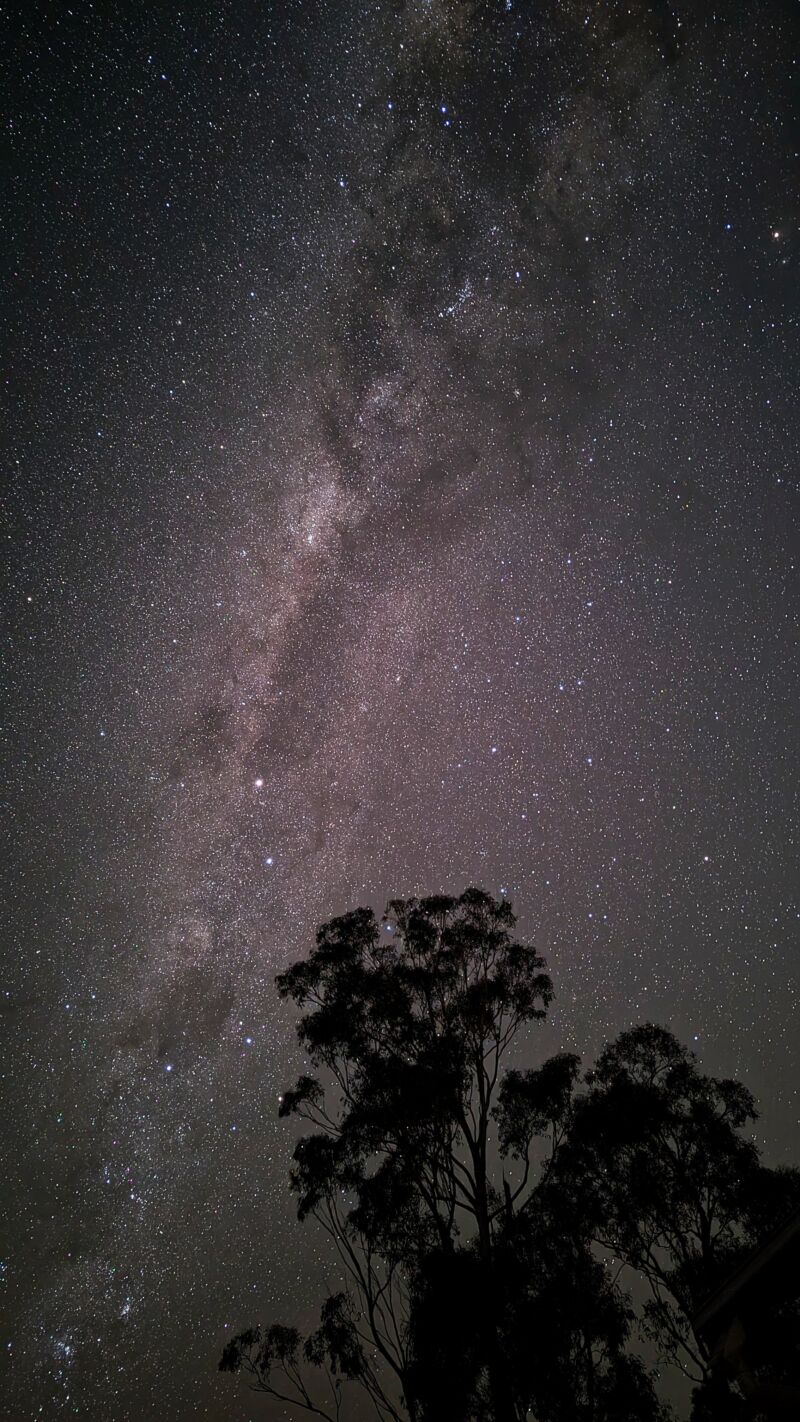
558,1292
483,1214
658,1165
408,1023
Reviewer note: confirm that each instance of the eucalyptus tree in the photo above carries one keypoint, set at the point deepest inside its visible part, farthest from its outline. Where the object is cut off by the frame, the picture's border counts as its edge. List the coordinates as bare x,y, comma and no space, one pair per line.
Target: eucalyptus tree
660,1166
426,1165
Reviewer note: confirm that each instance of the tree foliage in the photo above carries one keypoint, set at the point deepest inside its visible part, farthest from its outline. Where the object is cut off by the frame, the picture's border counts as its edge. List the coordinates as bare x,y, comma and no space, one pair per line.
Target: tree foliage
482,1213
660,1167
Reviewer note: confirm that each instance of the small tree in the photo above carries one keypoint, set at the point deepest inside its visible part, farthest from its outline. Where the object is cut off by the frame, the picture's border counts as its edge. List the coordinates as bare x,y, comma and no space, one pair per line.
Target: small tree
421,1170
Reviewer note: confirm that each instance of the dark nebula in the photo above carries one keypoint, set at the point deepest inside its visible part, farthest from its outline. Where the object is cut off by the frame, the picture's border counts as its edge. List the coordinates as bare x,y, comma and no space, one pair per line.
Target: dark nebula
402,450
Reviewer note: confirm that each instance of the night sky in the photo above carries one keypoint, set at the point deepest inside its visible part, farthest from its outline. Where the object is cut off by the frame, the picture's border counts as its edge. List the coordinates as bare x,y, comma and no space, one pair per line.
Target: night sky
401,432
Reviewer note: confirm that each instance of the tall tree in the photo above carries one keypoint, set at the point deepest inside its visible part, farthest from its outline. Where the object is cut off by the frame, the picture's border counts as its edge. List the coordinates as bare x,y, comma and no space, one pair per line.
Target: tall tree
421,1168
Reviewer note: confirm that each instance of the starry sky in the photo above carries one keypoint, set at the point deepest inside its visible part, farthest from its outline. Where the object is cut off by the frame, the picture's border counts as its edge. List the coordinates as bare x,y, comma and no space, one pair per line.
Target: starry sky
401,445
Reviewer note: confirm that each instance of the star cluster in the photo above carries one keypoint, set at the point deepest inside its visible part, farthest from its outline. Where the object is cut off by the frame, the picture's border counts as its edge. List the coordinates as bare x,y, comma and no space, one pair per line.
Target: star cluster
403,493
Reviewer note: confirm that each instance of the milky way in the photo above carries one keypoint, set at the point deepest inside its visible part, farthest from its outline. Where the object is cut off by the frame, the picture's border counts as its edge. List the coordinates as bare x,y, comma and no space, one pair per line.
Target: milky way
404,496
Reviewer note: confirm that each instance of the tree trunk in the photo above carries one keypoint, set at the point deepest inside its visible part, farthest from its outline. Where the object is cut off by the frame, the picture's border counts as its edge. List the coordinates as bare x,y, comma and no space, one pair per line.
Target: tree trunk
503,1408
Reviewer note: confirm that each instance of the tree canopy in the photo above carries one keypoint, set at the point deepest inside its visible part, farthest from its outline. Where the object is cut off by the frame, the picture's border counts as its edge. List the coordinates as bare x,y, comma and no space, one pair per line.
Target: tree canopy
482,1212
659,1168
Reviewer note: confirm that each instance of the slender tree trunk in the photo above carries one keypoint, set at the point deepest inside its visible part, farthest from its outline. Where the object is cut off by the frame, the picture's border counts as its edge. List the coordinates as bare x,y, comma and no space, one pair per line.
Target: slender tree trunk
502,1398
587,1343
